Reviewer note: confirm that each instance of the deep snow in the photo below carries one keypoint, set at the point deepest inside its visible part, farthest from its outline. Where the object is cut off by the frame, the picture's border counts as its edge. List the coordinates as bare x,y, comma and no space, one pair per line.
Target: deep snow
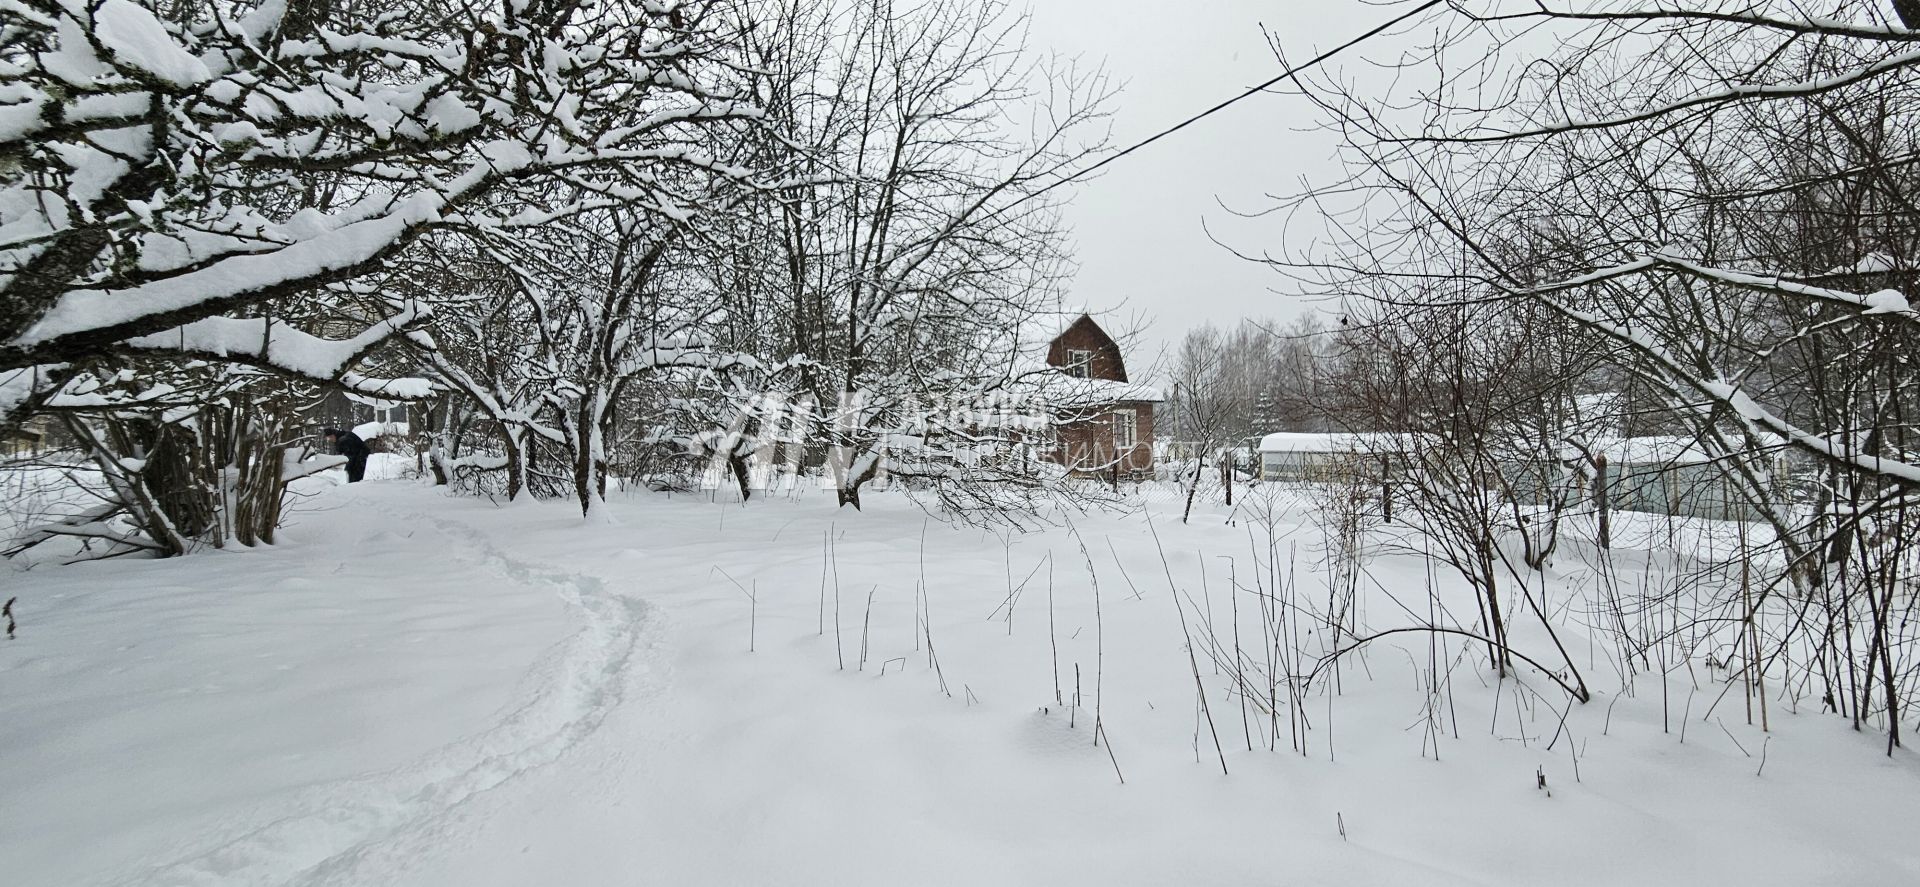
418,689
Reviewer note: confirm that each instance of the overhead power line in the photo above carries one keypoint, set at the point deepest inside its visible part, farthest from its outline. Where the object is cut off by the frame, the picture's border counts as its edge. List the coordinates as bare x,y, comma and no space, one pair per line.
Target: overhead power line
1252,90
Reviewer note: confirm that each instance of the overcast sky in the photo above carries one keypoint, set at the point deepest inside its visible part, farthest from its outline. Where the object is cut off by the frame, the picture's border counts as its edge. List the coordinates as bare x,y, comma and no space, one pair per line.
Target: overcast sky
1141,246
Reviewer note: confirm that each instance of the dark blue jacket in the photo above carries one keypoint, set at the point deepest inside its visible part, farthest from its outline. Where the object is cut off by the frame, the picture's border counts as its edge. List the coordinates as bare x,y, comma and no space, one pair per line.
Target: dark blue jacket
348,444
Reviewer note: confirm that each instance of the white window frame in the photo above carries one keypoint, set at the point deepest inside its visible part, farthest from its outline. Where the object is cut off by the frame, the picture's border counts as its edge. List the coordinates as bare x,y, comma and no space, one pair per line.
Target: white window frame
1126,430
1079,363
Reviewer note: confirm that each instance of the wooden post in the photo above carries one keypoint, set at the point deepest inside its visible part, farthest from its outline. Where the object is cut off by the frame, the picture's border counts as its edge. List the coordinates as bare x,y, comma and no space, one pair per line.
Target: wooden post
1226,474
1386,487
1600,500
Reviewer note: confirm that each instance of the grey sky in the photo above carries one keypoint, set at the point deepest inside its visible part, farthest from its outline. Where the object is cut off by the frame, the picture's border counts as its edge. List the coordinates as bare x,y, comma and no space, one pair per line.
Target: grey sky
1141,246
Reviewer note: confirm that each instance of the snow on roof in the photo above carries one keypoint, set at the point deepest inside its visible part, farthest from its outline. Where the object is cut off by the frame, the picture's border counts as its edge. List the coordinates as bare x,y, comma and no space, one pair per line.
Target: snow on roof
1600,406
372,430
1664,448
375,402
1334,442
1669,449
1072,391
1673,449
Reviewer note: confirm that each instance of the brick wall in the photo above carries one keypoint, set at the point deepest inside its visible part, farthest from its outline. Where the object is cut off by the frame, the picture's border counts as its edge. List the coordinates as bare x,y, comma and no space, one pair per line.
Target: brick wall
1089,444
1085,335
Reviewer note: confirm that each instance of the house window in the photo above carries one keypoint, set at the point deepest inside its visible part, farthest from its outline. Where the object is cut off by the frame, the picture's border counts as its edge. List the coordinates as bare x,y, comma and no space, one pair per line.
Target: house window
1124,436
1078,363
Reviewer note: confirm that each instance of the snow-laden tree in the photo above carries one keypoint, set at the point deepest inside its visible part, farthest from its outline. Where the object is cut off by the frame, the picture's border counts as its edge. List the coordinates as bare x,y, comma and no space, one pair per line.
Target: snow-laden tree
170,173
1757,166
574,320
873,277
915,248
224,189
1720,195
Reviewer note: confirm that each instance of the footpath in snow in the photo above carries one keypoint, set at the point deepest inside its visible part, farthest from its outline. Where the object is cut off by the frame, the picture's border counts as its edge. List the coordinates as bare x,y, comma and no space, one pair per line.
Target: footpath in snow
422,690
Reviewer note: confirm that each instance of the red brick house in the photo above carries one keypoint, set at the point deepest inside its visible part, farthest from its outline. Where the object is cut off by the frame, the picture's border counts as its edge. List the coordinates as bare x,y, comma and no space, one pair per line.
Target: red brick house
1107,421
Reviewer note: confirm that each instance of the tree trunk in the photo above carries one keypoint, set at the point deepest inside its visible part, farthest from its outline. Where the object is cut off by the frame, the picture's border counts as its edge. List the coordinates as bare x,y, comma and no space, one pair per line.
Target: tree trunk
1226,476
588,466
518,462
1199,465
437,462
1498,629
1601,502
741,475
1386,489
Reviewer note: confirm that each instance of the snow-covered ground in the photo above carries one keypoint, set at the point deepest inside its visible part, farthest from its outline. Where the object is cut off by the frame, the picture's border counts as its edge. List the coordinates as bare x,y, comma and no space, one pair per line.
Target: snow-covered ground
414,689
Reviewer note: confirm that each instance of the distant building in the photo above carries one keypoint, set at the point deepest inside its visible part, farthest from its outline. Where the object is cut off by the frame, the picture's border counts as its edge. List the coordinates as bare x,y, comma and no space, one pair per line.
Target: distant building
1680,475
340,409
1314,457
1664,474
1108,427
28,438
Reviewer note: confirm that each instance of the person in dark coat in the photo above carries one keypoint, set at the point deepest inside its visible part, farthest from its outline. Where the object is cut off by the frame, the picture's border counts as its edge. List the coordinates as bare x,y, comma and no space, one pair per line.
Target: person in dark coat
346,443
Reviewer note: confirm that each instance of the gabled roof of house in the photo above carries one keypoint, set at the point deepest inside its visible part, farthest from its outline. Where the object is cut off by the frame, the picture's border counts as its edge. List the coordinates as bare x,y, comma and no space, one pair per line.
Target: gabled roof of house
1047,327
1039,332
1037,374
1068,323
1054,352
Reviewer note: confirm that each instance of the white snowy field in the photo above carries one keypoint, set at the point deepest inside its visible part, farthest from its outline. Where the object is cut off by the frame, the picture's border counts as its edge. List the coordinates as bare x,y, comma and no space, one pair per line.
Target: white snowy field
413,689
